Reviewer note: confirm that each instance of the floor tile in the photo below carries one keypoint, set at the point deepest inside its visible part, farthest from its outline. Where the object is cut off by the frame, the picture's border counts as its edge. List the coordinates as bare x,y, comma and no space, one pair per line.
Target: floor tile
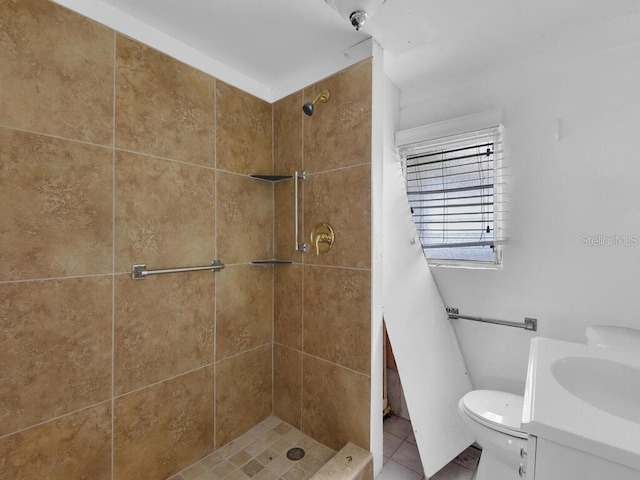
266,475
252,468
224,469
256,448
398,460
453,471
397,426
408,456
390,444
395,471
237,475
194,471
260,454
469,458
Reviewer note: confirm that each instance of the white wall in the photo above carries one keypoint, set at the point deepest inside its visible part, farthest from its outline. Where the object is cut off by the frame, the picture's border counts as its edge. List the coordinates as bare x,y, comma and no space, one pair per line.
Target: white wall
584,183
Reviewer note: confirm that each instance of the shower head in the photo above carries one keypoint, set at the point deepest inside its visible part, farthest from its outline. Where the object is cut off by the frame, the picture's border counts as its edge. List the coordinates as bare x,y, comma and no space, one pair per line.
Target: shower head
323,97
308,108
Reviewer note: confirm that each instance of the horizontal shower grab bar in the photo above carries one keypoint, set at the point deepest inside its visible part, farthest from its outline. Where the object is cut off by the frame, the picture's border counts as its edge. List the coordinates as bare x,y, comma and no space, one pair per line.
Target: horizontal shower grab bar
529,323
139,270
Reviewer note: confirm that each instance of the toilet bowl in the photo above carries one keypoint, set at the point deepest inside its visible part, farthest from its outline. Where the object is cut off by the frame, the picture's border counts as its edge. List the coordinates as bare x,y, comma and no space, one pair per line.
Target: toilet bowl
494,418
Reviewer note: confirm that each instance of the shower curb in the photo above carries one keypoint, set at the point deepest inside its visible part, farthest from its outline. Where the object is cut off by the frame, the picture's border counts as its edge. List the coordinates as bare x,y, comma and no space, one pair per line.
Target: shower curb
350,463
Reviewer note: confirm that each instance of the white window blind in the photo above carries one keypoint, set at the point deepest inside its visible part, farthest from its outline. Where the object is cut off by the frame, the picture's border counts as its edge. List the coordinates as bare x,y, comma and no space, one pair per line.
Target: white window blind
455,188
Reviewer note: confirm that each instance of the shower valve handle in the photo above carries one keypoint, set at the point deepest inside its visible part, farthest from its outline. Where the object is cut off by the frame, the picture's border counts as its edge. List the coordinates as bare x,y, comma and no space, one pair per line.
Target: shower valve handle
322,237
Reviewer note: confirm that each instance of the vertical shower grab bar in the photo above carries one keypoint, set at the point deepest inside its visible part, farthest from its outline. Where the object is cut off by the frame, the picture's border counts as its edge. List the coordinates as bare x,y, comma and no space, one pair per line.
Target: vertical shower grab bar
301,247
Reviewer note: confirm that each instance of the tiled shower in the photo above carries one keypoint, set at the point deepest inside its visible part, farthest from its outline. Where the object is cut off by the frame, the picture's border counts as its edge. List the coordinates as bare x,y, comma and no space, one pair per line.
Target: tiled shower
111,154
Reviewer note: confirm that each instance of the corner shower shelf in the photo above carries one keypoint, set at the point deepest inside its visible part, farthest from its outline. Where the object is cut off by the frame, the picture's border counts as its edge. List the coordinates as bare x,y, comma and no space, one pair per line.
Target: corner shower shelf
272,261
272,178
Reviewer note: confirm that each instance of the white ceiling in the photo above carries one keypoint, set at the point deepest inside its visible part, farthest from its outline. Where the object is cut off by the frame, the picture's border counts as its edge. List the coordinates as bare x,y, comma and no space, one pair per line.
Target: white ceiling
279,43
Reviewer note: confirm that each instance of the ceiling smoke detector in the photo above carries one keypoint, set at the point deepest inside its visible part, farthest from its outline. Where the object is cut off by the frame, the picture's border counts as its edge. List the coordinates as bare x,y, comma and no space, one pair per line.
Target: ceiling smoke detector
356,11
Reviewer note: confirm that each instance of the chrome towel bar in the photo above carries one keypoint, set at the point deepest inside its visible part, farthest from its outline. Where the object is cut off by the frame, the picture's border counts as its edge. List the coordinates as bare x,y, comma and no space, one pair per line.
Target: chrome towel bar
139,270
529,323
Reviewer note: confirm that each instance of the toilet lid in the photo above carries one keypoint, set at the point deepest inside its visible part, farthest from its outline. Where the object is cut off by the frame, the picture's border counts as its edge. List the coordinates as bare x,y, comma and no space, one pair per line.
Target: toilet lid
501,411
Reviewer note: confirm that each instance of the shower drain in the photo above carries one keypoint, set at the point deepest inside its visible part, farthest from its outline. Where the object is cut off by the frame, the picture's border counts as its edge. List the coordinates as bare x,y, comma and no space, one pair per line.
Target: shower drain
295,453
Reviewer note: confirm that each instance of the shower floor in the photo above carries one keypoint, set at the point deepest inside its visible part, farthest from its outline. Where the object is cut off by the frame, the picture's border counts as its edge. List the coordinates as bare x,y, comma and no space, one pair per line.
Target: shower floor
261,454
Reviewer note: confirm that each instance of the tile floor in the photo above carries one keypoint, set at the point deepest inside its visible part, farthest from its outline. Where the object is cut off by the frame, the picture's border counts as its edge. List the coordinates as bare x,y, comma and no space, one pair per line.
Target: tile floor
402,460
260,454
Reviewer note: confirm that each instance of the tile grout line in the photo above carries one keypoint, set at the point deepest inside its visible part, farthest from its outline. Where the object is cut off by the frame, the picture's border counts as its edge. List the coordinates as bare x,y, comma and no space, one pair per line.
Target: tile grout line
68,277
168,159
57,137
154,384
362,269
302,268
330,362
113,258
215,254
111,146
337,169
56,418
273,270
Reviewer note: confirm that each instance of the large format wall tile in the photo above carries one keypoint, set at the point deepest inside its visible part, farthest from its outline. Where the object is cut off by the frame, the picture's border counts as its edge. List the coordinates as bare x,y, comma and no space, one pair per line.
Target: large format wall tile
245,218
284,215
244,309
287,310
55,349
287,134
287,159
337,315
335,404
244,131
339,132
163,327
341,198
161,429
287,384
56,209
57,72
243,393
74,446
164,213
163,107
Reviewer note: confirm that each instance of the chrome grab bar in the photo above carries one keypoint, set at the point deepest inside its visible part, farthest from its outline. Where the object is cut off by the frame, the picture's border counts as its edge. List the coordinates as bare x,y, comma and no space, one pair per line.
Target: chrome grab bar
529,323
298,176
139,270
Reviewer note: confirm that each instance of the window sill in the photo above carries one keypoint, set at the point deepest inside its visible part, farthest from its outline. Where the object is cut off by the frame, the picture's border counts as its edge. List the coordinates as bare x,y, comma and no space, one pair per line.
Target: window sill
468,265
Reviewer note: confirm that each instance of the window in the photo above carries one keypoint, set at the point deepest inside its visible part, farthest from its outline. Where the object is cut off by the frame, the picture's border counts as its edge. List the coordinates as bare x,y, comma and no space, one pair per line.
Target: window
456,194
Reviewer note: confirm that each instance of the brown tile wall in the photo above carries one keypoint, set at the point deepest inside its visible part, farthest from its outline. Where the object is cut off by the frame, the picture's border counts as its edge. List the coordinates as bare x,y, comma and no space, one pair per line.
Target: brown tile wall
112,153
322,304
108,158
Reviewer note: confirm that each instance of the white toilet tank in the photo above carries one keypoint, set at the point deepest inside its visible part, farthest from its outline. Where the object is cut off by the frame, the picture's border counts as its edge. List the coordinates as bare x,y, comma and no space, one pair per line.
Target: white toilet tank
614,337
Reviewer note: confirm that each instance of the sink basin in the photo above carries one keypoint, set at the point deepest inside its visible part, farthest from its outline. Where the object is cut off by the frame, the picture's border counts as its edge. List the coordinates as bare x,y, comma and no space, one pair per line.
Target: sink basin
587,399
604,384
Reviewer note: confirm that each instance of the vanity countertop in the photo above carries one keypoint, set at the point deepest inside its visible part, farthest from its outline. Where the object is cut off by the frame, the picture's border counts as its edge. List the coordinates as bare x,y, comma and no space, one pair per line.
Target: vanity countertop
610,430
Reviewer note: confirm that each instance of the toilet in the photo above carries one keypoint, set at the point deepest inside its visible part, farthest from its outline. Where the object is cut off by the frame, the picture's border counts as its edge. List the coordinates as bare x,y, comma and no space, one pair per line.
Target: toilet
494,417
